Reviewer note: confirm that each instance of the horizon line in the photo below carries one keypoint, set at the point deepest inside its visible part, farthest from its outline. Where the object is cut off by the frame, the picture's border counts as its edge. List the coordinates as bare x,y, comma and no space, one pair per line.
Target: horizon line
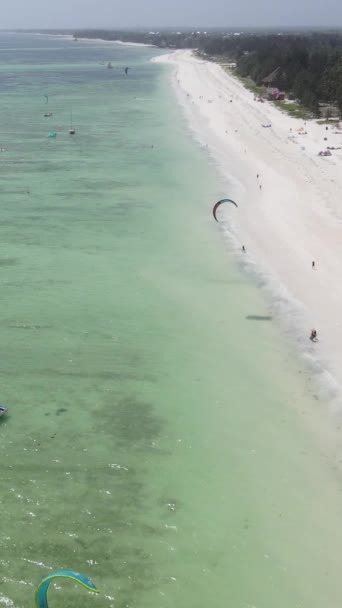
239,28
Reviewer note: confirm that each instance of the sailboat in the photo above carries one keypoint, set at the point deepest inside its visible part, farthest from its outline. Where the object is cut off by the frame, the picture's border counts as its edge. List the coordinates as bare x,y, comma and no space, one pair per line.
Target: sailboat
72,130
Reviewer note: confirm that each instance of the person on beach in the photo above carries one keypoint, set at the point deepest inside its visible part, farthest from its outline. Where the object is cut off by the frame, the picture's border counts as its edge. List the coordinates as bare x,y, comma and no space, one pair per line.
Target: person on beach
313,265
313,336
243,249
257,175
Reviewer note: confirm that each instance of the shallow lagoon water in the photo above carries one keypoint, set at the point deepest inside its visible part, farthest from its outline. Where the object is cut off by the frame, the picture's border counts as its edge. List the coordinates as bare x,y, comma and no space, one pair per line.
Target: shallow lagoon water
160,439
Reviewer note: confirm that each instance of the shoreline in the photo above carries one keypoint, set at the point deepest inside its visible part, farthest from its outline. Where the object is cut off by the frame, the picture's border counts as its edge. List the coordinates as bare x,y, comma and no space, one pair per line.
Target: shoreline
292,220
118,42
101,40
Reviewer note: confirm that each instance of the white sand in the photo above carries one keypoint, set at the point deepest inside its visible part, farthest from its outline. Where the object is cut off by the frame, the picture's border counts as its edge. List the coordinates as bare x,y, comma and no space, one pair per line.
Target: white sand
116,42
133,43
295,218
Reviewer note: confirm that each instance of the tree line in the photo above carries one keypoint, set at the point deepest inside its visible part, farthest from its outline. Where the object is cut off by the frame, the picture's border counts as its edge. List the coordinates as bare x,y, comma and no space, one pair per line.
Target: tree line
307,66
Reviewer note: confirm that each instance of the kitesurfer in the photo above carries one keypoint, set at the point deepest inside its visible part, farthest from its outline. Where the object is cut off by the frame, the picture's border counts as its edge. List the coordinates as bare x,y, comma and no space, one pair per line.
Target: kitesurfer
42,589
313,266
313,336
224,200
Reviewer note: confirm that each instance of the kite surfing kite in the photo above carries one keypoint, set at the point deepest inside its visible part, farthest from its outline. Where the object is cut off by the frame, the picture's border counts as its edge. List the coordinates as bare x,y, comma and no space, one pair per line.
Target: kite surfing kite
47,98
224,200
42,589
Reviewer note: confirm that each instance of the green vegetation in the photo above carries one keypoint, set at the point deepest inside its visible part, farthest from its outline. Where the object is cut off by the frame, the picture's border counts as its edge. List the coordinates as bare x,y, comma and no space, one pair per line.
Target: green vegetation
248,83
294,109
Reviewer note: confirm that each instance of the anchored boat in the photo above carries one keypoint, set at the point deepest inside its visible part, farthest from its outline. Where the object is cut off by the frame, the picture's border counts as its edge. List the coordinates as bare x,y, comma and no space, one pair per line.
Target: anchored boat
72,129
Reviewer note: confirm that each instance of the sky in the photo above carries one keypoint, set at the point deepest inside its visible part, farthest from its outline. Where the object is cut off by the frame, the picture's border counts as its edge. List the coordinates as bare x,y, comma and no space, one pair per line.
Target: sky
111,14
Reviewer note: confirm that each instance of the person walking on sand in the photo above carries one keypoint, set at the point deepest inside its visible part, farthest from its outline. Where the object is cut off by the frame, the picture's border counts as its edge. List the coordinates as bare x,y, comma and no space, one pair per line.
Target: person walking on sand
313,336
243,249
257,175
313,265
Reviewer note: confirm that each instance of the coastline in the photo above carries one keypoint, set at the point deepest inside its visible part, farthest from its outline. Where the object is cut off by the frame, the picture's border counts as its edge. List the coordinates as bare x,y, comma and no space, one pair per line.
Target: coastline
97,40
117,42
293,219
129,337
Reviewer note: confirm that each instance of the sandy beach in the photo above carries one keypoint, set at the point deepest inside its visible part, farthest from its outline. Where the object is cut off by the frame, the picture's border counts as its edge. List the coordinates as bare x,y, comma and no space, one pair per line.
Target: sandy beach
289,216
116,42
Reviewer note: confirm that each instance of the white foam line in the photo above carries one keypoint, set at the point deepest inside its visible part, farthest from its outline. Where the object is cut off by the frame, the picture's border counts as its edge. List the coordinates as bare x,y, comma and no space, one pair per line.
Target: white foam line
296,216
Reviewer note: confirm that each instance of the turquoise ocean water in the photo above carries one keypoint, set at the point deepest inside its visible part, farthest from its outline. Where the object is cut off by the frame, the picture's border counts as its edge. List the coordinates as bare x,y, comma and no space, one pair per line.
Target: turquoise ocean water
159,440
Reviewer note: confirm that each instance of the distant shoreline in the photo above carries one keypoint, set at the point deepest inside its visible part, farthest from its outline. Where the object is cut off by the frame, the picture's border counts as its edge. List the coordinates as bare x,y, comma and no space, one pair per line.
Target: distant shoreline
118,42
87,39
